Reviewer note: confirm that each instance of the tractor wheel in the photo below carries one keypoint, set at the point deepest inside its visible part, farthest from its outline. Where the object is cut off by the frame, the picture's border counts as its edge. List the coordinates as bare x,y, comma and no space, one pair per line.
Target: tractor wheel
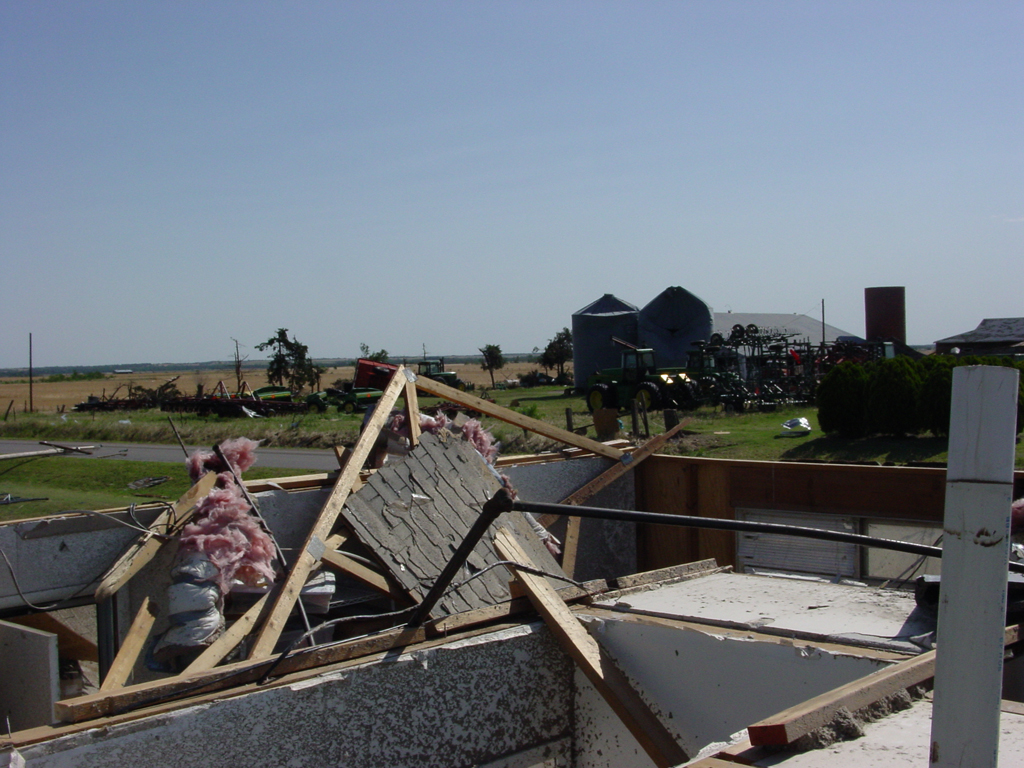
648,396
348,407
600,396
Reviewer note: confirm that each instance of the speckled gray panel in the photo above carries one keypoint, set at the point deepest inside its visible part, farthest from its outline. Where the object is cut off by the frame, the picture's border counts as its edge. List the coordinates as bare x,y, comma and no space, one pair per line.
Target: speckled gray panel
462,704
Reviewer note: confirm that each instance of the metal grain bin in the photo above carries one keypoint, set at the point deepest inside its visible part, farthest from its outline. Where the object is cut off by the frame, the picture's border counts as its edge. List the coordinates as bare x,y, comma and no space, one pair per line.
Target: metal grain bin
592,331
670,324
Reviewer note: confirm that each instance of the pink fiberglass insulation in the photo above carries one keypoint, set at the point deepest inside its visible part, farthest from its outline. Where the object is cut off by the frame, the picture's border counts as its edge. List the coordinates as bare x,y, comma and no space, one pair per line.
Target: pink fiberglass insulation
230,537
240,453
480,439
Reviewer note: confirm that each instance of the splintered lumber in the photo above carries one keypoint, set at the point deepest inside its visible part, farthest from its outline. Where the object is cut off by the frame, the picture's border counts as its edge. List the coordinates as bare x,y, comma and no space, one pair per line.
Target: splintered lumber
792,723
307,660
133,644
592,659
453,395
313,547
145,548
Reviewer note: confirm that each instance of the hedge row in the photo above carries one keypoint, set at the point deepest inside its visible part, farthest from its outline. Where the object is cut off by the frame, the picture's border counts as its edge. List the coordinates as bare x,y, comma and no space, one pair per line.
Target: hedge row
898,396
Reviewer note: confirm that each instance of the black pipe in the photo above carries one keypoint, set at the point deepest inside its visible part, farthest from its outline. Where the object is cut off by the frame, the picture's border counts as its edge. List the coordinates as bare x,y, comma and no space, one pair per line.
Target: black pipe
500,502
690,521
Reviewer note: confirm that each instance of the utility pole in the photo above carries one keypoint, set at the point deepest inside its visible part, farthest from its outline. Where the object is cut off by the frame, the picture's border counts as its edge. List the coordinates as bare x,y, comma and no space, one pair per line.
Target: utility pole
31,404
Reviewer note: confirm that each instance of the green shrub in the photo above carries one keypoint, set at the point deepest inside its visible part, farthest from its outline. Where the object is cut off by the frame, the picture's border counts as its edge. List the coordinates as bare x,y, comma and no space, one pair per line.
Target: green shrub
842,401
892,402
936,395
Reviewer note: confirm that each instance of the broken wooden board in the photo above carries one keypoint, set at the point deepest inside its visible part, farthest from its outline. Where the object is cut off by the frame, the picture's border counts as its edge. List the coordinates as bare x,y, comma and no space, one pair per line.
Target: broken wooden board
792,723
593,661
130,649
219,682
413,514
145,548
309,556
512,417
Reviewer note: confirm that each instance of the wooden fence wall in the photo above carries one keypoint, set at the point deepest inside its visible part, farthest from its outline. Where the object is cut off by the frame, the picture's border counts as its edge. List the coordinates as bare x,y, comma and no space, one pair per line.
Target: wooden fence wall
683,485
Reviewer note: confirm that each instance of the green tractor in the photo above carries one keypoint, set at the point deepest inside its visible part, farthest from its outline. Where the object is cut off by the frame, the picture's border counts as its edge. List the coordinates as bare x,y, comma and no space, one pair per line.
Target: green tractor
434,369
640,379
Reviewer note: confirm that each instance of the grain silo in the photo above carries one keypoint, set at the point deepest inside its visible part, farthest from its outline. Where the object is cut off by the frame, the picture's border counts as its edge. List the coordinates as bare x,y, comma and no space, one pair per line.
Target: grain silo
592,330
670,324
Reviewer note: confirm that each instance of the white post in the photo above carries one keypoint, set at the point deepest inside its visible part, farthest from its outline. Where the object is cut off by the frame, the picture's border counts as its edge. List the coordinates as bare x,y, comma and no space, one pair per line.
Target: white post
975,550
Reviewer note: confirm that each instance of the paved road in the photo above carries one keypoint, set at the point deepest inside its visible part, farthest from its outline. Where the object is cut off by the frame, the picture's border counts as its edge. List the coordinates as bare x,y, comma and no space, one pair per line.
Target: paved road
279,458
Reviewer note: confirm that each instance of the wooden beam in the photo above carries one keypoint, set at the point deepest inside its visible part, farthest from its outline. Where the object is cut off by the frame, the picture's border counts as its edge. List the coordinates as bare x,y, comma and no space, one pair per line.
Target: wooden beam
238,674
130,649
341,453
451,394
591,658
412,412
223,645
570,546
309,556
792,723
368,576
145,548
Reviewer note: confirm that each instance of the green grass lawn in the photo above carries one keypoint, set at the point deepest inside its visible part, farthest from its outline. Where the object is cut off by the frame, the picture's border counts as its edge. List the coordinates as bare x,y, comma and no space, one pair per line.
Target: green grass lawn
71,483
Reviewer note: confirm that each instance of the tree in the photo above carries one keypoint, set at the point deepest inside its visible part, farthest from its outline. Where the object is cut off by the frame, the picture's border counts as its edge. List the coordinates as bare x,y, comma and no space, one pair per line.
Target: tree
493,360
558,352
380,356
290,365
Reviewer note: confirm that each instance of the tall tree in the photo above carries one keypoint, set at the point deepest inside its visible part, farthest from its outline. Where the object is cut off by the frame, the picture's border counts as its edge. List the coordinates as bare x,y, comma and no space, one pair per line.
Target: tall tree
493,360
290,365
558,352
380,356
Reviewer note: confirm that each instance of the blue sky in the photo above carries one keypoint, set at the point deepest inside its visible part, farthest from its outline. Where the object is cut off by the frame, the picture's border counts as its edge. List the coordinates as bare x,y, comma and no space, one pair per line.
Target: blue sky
177,174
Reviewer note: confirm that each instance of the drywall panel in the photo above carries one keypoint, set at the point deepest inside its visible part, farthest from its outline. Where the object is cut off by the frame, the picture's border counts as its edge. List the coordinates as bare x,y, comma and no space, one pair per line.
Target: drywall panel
882,618
29,676
60,557
469,702
704,686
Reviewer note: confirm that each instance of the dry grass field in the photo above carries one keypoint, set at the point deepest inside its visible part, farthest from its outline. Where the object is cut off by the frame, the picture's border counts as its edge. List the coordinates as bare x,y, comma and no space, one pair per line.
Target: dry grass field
51,397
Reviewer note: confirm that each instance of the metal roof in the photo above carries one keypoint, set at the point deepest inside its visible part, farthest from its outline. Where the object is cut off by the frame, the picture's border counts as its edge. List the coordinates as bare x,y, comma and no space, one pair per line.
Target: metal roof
800,326
998,330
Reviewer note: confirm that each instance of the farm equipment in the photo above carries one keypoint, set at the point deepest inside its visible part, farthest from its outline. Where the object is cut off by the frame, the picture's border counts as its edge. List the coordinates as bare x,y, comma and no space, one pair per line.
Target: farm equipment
347,400
371,374
639,378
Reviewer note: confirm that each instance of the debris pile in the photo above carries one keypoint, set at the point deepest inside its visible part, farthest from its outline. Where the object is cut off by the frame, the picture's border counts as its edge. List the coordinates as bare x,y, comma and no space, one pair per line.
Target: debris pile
223,544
